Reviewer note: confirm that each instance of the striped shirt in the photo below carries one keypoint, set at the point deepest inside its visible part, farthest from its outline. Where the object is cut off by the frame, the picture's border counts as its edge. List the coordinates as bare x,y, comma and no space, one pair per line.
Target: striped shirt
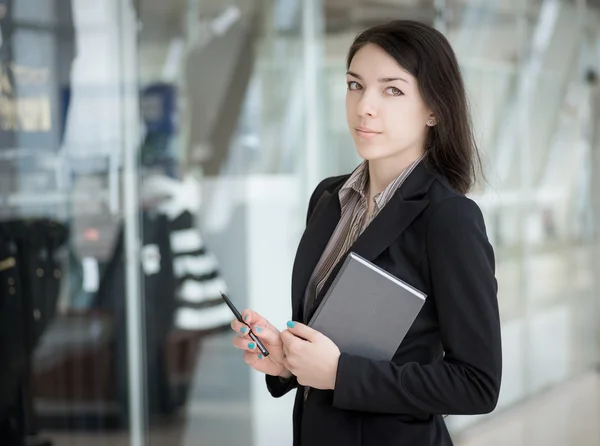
353,221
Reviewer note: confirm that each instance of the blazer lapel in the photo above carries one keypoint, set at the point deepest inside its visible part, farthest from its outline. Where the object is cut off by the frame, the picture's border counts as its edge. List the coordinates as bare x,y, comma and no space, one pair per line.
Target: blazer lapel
397,215
392,221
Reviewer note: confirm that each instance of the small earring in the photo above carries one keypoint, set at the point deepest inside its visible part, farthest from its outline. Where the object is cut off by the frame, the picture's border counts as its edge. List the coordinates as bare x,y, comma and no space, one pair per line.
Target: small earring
430,122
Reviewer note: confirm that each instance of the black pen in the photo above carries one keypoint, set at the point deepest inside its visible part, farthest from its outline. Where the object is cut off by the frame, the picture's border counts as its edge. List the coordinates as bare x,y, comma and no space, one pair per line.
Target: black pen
238,316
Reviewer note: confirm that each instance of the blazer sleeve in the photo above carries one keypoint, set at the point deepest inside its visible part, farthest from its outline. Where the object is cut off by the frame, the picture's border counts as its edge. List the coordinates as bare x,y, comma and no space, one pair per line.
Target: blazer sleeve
467,380
276,385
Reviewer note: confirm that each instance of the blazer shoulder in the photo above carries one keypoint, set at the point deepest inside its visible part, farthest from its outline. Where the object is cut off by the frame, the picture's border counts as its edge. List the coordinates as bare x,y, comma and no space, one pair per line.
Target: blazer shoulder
331,183
447,204
452,212
440,190
328,184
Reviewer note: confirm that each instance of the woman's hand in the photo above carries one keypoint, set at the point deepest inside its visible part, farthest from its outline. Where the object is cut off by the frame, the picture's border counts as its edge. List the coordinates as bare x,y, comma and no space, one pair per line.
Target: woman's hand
271,339
311,356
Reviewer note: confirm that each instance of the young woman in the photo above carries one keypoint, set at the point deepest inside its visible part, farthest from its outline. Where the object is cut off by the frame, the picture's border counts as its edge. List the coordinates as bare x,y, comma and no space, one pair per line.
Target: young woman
404,209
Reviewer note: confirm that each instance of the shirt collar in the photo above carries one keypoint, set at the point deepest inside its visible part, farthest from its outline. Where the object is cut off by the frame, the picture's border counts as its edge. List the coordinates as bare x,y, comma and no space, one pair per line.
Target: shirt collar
359,179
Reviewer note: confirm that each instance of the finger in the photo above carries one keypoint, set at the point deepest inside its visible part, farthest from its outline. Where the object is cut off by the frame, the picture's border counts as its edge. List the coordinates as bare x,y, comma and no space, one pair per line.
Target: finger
239,328
252,358
268,334
286,350
290,343
257,361
251,318
287,365
244,344
288,338
303,331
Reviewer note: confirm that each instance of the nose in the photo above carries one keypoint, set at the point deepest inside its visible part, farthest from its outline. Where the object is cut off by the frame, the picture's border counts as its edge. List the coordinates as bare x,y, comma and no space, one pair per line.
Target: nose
366,106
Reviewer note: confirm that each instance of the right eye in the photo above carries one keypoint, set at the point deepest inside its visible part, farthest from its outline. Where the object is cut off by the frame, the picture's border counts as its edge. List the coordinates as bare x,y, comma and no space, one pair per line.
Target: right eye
353,85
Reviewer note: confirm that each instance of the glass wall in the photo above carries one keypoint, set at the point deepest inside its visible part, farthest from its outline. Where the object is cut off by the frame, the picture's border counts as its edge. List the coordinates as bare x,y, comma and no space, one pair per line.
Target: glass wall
530,96
68,121
223,108
154,153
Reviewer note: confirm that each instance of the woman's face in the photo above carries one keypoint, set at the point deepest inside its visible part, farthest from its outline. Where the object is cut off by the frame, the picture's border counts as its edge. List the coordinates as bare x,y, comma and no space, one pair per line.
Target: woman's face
386,115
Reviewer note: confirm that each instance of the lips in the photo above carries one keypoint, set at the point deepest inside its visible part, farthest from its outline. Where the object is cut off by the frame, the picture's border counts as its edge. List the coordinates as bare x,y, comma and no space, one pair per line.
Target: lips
364,132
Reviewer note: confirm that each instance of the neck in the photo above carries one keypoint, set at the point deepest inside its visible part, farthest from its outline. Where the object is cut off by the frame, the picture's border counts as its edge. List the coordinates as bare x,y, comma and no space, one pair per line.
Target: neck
384,170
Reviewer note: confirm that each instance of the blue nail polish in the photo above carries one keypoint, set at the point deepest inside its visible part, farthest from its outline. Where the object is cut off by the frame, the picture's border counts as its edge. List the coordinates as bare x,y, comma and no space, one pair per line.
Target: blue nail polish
291,324
260,356
246,318
243,330
258,329
251,346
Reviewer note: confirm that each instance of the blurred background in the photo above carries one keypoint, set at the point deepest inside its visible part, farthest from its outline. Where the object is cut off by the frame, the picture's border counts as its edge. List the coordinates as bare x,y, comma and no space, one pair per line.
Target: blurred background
155,152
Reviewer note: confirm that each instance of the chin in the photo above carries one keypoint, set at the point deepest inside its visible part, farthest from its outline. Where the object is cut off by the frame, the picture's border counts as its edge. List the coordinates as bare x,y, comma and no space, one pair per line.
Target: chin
371,153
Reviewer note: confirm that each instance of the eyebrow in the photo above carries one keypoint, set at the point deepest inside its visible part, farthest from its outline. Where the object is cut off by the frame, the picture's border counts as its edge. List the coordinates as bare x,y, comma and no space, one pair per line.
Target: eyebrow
381,79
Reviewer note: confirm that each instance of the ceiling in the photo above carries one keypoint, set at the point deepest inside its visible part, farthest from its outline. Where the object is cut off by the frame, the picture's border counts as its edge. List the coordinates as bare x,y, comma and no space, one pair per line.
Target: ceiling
343,14
162,18
492,20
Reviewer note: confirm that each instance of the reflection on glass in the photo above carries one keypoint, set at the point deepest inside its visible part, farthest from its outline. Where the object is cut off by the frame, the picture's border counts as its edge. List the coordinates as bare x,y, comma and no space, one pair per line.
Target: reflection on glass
62,301
208,104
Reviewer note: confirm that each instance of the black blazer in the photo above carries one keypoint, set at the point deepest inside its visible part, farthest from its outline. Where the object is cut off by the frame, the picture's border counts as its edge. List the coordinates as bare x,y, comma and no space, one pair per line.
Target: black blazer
450,361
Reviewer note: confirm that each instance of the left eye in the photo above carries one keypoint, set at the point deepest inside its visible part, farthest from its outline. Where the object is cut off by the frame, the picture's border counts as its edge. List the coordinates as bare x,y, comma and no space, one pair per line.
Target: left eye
393,91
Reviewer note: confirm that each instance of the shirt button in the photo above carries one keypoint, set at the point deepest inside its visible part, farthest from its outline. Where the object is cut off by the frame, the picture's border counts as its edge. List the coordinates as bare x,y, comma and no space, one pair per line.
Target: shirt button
40,272
12,291
57,273
11,281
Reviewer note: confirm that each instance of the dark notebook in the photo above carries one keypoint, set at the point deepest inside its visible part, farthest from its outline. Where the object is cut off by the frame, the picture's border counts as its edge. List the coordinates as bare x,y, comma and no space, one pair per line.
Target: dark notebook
367,311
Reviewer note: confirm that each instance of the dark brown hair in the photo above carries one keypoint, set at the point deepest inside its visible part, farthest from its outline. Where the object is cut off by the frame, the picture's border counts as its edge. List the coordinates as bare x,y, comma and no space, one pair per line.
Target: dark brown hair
425,53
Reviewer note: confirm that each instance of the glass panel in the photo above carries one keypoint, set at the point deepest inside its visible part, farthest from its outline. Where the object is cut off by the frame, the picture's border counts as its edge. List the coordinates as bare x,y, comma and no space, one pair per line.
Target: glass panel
528,97
222,88
65,126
